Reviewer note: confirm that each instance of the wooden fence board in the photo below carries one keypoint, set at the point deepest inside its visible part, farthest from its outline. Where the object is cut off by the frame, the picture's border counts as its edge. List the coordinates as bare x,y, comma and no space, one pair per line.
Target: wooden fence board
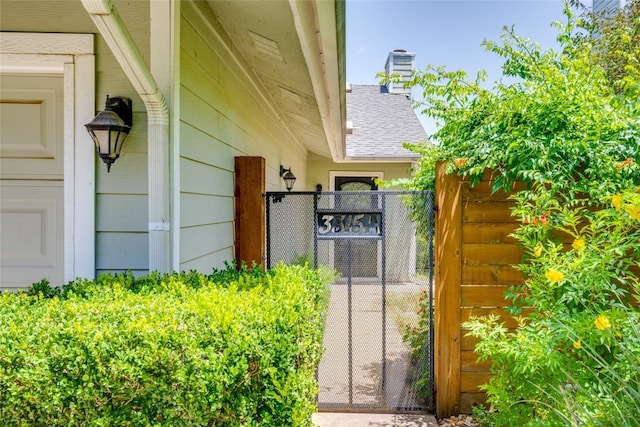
483,191
509,320
471,381
468,343
490,275
488,253
469,362
499,211
488,233
483,296
250,210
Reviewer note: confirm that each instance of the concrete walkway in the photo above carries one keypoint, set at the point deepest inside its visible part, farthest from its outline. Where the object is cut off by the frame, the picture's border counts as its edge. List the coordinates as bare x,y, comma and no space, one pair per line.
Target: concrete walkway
362,385
366,348
332,419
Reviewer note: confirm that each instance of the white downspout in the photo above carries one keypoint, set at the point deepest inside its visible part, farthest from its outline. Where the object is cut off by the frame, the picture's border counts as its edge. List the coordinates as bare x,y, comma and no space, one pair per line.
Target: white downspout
113,30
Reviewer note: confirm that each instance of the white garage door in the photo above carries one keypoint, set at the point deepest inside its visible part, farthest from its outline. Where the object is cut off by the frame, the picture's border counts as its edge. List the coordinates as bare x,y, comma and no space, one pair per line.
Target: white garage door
31,179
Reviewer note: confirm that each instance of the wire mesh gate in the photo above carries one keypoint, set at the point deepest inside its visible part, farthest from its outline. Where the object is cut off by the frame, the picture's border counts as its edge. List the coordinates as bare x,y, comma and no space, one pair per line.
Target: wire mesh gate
381,244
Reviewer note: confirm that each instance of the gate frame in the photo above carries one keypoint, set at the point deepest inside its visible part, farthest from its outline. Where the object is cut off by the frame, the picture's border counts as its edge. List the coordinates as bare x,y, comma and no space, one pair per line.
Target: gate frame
277,196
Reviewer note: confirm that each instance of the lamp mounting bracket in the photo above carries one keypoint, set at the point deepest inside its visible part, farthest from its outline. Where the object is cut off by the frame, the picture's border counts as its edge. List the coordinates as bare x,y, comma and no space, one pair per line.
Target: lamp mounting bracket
122,106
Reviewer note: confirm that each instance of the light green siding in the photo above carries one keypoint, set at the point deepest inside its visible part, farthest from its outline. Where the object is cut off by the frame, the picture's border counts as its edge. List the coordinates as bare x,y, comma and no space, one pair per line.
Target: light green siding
221,110
220,118
121,196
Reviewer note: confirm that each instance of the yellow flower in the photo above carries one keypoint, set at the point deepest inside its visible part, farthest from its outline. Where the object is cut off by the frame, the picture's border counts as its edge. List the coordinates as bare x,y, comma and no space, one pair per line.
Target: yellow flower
633,211
521,337
616,201
538,251
577,344
602,322
554,275
578,244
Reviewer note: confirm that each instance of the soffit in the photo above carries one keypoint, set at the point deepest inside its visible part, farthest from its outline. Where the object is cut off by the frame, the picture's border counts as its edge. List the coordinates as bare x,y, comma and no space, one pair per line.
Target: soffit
265,34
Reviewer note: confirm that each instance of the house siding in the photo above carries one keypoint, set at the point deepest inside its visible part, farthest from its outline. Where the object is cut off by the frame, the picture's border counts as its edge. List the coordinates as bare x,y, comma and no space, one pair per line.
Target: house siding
219,111
319,168
121,196
220,118
121,231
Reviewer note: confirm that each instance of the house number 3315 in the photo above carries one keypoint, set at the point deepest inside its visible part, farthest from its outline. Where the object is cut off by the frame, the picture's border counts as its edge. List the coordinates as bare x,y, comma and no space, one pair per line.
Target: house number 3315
349,224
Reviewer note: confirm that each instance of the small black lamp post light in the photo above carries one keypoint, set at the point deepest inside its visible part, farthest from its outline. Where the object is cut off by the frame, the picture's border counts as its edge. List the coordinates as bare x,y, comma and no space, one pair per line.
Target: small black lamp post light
110,128
289,178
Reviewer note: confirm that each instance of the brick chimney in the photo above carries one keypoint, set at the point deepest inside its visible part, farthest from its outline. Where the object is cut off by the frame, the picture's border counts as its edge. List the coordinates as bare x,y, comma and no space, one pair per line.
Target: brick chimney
399,61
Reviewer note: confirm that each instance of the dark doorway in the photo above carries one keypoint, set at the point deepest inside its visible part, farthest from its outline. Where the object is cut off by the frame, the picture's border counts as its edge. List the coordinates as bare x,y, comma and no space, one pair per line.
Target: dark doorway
363,257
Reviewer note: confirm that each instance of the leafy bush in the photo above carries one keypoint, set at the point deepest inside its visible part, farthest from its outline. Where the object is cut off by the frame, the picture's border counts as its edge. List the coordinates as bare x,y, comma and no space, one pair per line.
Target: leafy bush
574,359
417,338
567,124
165,350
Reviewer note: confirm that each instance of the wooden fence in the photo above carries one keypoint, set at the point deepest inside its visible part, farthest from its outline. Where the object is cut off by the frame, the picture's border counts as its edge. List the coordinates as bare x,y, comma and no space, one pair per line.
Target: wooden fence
474,259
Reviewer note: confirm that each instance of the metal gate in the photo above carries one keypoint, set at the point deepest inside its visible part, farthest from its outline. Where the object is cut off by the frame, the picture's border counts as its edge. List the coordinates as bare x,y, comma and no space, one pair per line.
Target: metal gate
381,244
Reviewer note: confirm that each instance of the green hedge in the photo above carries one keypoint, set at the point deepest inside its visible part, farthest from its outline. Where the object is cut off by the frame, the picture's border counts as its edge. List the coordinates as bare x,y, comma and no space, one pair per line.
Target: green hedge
177,350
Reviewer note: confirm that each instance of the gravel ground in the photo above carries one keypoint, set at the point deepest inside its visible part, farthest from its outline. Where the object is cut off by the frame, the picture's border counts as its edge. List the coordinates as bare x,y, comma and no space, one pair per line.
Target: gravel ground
459,421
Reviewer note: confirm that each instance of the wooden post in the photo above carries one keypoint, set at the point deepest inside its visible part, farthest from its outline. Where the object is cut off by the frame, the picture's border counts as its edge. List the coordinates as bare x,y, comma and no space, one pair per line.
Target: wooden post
448,292
250,210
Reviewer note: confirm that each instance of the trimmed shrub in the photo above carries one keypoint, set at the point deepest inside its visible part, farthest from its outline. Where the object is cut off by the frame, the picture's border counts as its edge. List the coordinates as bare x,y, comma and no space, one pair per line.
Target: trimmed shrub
177,350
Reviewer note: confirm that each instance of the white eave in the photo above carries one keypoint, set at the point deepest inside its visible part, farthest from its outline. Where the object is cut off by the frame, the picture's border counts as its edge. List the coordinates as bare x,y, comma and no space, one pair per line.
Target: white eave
317,27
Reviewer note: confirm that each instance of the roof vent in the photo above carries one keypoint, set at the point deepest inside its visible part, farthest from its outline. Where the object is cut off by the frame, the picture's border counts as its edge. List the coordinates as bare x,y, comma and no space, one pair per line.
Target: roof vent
266,46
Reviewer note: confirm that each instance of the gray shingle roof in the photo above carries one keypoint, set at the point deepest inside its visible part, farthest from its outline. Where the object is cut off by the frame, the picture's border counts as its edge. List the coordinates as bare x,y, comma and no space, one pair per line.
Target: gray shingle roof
381,123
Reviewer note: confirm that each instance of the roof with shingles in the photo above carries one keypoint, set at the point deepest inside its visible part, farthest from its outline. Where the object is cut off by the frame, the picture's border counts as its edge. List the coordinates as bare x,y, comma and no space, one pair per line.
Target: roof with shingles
381,122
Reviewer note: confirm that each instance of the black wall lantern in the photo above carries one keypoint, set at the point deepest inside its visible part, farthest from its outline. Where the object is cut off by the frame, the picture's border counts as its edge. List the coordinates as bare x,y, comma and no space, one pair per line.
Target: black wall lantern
289,178
110,128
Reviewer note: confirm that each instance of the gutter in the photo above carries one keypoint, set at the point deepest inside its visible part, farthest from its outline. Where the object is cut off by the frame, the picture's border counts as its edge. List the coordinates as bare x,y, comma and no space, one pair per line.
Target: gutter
111,27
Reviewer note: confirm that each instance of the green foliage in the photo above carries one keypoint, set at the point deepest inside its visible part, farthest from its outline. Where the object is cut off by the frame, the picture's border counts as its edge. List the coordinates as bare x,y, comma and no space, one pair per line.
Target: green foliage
558,122
616,44
595,272
176,350
567,123
574,358
417,339
154,281
44,289
234,274
578,370
423,172
304,259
